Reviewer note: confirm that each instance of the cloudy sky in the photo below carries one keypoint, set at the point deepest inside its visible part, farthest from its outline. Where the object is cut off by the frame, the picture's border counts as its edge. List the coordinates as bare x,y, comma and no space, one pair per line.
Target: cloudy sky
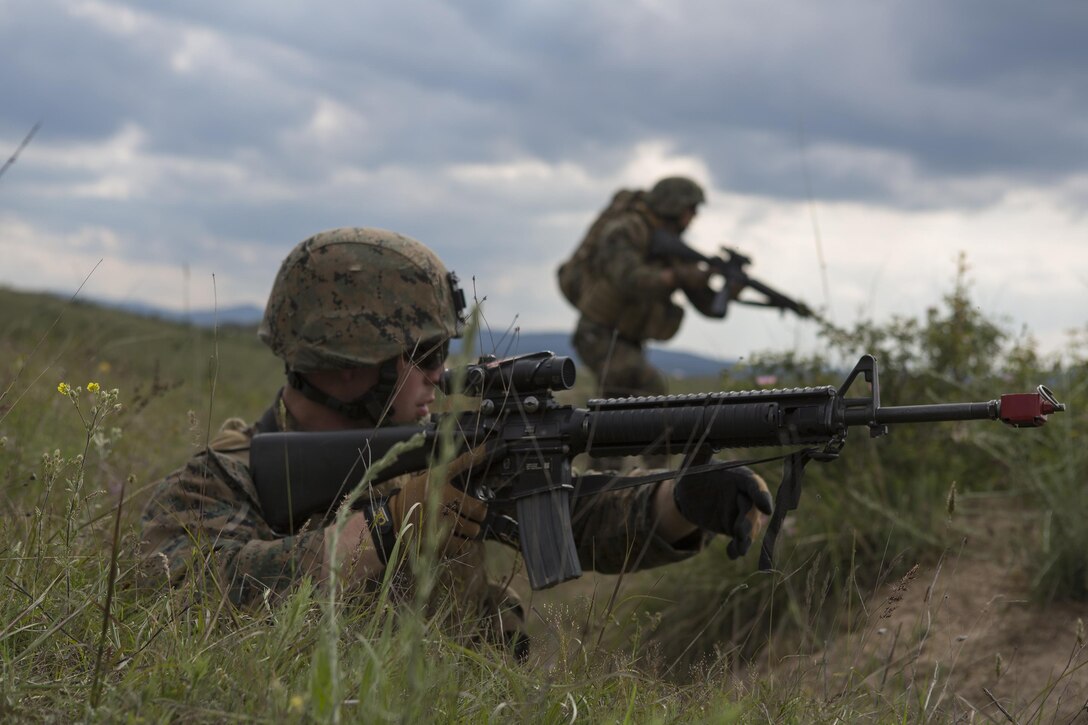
852,149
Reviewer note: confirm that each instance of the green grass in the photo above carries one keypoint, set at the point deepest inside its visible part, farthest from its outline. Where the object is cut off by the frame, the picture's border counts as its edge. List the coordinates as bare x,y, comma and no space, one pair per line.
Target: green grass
80,639
888,503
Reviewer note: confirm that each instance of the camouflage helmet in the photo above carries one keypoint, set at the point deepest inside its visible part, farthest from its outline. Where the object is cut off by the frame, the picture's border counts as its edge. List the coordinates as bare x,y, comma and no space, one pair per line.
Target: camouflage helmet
671,196
358,296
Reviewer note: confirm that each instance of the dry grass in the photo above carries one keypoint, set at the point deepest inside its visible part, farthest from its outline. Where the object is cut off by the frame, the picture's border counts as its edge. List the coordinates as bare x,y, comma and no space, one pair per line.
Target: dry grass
844,633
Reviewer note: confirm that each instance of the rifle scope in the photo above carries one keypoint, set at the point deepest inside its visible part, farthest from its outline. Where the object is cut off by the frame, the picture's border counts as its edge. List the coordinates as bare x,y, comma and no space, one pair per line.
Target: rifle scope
535,373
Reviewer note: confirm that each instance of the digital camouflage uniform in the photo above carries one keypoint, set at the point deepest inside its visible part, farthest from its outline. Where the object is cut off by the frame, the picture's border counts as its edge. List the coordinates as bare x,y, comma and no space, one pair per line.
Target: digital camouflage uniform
205,519
622,299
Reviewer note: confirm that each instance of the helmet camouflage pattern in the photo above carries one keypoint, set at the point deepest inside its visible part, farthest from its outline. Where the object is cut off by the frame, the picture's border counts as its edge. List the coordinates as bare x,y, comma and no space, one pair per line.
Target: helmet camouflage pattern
358,296
674,194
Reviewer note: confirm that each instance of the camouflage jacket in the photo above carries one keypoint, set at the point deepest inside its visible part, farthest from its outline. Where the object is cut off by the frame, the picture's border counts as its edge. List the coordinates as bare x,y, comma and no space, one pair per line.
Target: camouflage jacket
205,520
626,291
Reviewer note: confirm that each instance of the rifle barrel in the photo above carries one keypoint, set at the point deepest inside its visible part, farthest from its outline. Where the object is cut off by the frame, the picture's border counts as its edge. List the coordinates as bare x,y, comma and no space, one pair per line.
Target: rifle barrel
936,413
889,415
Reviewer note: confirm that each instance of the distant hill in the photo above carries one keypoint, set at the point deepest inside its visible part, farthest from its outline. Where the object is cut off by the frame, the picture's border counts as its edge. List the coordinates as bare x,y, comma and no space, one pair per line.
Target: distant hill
674,363
233,315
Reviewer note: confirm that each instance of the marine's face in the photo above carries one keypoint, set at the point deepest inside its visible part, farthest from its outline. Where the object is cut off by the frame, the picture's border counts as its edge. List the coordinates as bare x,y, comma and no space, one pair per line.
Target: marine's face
686,217
417,377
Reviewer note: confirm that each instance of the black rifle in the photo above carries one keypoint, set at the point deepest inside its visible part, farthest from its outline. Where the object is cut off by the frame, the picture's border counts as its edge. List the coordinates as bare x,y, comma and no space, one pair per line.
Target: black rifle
533,439
669,245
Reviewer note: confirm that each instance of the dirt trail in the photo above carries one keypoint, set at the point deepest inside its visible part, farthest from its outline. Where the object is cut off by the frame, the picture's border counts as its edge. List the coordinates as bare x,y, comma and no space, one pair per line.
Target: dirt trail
965,635
962,636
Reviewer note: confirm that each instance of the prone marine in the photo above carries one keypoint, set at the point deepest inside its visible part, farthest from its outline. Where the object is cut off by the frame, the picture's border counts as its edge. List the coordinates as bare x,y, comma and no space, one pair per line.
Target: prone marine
362,319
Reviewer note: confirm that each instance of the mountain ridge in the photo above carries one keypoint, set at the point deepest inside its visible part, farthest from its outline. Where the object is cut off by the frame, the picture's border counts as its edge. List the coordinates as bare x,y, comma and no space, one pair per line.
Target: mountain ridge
674,363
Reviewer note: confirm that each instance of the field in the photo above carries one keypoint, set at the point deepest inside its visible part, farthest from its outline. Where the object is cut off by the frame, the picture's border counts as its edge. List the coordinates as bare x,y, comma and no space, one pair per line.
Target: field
936,575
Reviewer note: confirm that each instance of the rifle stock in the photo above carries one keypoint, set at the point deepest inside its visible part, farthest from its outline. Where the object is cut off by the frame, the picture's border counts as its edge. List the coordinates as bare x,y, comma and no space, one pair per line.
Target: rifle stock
533,439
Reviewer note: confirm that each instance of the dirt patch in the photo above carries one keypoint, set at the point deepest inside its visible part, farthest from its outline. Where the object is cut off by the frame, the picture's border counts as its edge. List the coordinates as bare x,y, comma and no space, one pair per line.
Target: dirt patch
964,637
960,639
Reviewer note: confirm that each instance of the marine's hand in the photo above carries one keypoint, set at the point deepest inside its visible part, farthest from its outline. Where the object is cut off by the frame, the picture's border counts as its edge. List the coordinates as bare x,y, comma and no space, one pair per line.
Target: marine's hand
461,514
691,276
734,502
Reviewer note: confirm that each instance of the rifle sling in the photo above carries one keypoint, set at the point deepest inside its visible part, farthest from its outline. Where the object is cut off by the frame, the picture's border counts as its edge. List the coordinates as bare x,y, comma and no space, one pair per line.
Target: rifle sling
596,483
787,499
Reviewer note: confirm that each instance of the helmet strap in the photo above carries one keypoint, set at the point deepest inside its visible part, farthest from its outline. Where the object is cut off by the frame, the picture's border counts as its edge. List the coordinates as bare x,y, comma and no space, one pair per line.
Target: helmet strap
372,406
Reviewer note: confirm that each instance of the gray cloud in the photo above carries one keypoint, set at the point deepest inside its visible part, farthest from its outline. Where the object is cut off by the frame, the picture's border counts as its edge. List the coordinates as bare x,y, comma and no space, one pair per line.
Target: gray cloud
233,130
960,89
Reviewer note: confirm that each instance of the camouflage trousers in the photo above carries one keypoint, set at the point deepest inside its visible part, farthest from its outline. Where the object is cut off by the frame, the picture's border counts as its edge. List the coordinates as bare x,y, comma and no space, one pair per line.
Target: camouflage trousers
620,365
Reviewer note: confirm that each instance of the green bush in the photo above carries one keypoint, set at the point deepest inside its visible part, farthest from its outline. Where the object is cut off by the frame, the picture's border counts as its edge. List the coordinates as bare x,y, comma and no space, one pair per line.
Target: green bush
888,503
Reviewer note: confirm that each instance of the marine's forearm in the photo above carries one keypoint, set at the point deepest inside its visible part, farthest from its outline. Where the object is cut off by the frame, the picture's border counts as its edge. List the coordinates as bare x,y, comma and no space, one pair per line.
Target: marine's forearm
671,524
623,531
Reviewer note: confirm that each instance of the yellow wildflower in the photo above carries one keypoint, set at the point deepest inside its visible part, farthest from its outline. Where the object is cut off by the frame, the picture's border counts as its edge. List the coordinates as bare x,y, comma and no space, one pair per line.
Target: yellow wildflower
93,387
64,388
296,703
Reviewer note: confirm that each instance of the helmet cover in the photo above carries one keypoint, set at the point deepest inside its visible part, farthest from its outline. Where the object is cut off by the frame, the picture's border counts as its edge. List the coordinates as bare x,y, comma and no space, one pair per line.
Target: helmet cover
358,296
672,195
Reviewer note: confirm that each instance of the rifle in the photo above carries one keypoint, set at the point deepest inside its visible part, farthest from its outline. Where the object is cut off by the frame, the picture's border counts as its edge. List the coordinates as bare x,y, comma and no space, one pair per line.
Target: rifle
533,439
669,245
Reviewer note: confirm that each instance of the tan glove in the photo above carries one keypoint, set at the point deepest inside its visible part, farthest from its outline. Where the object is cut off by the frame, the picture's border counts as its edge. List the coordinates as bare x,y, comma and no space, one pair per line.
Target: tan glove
462,515
691,276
